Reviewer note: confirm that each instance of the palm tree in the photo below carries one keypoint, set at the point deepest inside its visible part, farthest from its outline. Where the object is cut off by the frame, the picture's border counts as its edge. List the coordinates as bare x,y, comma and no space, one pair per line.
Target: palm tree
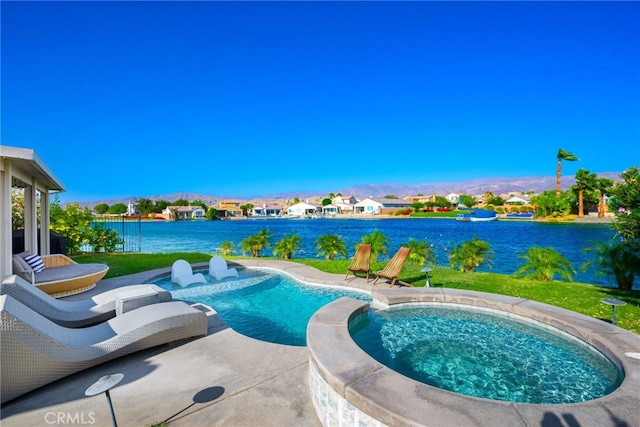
585,180
617,260
246,208
486,196
252,244
256,242
378,242
331,246
562,155
227,247
604,186
469,255
287,246
544,263
420,251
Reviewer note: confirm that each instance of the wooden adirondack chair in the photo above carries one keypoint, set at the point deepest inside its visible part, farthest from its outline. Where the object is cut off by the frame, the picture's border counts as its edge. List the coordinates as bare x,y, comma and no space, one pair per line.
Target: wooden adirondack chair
393,267
361,261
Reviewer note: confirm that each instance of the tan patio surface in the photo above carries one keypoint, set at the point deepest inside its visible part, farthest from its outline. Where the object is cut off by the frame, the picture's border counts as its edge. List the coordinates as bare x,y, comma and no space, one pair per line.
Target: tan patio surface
227,379
223,379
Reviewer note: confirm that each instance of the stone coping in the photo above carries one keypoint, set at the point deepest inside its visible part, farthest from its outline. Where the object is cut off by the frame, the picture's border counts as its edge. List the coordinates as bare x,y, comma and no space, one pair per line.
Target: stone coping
393,399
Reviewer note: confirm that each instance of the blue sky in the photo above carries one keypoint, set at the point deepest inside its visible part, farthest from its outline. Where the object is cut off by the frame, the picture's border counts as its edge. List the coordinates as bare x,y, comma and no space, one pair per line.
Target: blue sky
245,99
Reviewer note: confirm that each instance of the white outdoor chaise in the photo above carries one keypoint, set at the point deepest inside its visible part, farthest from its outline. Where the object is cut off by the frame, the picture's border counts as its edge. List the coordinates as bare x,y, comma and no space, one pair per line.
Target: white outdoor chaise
35,351
73,314
182,274
218,268
62,276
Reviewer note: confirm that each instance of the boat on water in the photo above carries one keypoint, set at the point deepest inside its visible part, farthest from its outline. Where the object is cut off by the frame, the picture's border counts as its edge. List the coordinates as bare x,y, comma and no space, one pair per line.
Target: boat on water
478,215
518,215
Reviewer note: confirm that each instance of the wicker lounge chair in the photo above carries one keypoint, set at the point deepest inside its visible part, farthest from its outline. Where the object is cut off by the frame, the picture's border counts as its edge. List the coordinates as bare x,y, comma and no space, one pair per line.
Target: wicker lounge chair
393,267
218,268
182,274
62,276
72,314
361,261
35,351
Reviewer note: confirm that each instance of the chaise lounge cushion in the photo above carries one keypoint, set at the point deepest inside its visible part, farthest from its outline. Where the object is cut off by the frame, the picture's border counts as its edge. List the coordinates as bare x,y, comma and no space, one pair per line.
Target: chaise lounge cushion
73,314
21,268
62,276
67,272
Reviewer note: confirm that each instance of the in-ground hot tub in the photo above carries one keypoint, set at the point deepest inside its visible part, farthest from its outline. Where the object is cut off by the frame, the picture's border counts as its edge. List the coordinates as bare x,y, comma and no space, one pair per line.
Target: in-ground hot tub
349,387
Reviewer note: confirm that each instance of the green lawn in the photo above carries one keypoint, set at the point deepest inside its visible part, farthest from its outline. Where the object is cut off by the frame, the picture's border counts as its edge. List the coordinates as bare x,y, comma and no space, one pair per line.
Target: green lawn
580,297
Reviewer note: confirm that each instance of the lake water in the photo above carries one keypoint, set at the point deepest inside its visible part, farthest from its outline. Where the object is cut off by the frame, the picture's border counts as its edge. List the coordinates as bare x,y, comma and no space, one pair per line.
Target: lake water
508,239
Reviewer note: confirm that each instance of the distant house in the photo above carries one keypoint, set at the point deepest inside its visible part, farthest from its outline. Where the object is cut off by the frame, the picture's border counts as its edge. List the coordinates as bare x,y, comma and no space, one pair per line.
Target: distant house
480,201
517,200
267,210
330,209
349,200
380,206
185,212
230,208
453,198
368,206
344,204
421,199
302,209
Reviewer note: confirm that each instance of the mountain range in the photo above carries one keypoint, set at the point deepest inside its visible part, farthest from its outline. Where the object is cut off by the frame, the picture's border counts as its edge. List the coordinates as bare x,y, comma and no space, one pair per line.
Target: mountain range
474,187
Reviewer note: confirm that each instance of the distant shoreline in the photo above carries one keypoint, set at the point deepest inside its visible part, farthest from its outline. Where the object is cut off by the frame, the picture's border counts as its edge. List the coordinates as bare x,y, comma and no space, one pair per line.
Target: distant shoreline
569,220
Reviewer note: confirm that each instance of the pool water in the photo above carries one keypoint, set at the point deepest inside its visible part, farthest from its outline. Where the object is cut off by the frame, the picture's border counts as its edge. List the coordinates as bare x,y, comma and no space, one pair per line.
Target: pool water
485,355
262,303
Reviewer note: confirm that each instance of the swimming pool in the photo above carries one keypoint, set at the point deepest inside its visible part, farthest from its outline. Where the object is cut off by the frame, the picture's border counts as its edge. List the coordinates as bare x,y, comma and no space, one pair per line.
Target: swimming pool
262,303
485,354
346,383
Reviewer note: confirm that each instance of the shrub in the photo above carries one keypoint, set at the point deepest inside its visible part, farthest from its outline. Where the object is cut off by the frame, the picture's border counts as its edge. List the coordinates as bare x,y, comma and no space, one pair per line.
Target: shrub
616,260
331,246
406,211
103,239
287,246
256,242
378,242
469,255
544,264
420,251
227,247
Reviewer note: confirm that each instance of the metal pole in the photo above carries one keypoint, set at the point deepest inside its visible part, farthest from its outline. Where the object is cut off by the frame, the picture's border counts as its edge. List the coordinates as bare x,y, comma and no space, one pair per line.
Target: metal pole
103,385
441,272
113,415
139,234
613,314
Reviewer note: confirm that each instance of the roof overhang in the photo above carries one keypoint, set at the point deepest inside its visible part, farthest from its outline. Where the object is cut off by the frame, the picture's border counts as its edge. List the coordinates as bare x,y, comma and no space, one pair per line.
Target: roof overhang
26,165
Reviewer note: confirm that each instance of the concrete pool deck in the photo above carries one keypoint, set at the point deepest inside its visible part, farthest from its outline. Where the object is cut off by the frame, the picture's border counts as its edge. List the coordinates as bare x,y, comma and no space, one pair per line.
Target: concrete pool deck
223,379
